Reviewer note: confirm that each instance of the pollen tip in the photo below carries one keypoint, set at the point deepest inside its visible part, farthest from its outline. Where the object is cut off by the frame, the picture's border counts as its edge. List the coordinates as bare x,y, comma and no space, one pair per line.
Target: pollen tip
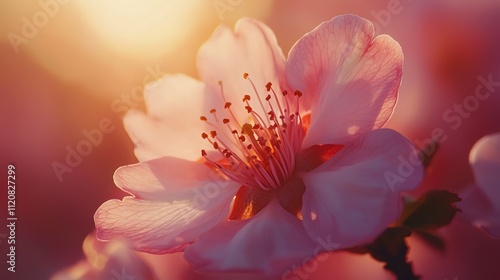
285,93
268,97
203,153
247,129
213,133
297,93
268,86
225,121
212,111
203,118
245,75
204,135
227,105
220,83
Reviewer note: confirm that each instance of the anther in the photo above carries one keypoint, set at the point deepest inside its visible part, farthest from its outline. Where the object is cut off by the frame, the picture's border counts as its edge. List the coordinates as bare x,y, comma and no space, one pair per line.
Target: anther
227,105
203,118
245,75
225,121
297,93
268,86
204,135
213,133
247,129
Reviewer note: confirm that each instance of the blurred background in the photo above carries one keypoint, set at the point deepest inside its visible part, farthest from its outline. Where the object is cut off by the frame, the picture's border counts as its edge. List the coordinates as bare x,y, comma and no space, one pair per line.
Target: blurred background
70,68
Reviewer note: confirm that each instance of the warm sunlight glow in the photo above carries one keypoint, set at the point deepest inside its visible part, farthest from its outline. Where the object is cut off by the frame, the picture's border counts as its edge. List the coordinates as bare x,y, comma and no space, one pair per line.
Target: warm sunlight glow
146,27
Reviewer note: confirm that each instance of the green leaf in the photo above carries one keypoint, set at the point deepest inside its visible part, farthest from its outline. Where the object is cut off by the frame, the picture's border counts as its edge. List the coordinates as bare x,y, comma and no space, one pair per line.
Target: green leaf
390,247
431,239
434,209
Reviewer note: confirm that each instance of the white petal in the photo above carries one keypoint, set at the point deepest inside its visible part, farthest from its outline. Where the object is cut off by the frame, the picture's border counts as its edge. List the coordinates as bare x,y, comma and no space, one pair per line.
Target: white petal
348,78
176,201
252,48
351,195
270,243
171,126
485,162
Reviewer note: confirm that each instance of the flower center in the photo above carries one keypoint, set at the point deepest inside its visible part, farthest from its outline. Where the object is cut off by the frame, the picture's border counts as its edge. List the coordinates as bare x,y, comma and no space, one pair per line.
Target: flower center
261,151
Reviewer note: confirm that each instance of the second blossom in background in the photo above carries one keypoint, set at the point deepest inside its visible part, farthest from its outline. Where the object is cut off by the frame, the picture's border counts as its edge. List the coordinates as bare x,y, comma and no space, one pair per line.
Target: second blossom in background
481,201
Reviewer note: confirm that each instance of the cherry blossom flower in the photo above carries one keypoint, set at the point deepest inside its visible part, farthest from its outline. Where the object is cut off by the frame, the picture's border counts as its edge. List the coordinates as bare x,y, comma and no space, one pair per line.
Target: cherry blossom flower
481,201
293,158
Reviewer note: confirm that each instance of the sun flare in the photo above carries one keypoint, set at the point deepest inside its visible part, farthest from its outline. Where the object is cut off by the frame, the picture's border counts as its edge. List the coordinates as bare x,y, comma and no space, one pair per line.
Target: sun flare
134,26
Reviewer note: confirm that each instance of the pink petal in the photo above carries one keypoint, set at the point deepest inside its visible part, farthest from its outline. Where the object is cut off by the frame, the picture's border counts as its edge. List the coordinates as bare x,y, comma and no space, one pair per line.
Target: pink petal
349,79
492,227
184,199
270,242
475,204
353,197
479,210
484,159
252,48
172,125
163,178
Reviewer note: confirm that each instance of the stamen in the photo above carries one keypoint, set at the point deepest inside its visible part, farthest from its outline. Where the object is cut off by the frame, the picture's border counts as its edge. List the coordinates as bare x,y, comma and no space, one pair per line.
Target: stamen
214,112
256,93
263,154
